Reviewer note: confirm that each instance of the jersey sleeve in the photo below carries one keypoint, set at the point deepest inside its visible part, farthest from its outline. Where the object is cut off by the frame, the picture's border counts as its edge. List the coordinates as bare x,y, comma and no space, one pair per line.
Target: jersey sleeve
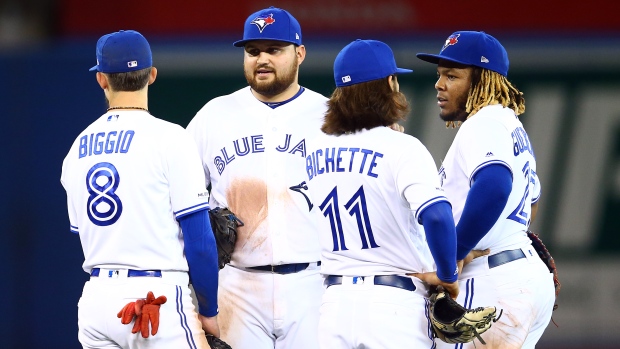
197,130
73,225
416,179
187,191
536,187
484,142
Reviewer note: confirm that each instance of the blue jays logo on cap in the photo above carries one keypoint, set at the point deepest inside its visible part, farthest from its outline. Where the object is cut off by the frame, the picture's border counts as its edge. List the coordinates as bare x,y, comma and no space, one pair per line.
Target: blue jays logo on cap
451,40
472,48
262,22
282,26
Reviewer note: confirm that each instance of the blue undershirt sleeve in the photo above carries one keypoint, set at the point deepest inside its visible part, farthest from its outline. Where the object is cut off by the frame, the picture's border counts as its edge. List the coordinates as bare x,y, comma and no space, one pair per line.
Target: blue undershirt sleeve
201,254
485,202
439,227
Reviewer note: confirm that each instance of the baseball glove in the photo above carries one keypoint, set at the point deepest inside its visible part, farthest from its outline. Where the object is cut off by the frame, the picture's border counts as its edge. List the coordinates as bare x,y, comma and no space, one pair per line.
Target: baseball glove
452,323
224,224
544,254
216,343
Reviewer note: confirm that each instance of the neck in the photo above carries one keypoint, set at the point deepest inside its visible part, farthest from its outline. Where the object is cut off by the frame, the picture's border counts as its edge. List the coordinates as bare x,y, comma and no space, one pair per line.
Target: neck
128,100
280,97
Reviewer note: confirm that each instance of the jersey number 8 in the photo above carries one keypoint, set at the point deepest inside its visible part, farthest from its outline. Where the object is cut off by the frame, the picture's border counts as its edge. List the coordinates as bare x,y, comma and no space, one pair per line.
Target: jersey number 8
104,207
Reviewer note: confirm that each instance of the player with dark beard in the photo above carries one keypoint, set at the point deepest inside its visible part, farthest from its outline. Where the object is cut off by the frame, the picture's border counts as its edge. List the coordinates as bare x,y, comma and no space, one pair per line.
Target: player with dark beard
253,147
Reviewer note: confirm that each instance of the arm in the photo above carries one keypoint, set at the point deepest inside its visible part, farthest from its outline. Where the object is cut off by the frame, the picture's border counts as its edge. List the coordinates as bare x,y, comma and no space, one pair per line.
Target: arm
534,211
439,226
485,202
201,254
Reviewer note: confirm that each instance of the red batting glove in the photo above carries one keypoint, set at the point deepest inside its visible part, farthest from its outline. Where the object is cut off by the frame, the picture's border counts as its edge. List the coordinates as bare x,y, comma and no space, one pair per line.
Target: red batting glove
144,311
149,312
129,311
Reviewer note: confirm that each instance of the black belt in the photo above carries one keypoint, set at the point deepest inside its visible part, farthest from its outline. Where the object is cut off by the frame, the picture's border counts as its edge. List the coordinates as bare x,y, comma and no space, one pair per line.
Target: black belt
283,268
130,273
384,280
504,257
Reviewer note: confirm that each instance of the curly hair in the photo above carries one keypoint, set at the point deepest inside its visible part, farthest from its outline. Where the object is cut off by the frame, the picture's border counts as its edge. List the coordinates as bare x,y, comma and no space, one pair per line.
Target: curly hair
364,106
488,88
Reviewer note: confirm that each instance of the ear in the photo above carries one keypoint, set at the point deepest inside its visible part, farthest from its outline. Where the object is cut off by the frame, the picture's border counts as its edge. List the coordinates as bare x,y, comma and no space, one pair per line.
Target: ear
102,80
300,51
153,75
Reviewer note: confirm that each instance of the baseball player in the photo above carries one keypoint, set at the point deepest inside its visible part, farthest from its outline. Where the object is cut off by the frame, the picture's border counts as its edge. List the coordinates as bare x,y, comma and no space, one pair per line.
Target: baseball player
253,148
132,182
489,176
380,210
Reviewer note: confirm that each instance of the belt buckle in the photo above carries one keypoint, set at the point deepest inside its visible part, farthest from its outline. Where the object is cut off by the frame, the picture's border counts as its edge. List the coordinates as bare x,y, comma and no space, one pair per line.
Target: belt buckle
273,268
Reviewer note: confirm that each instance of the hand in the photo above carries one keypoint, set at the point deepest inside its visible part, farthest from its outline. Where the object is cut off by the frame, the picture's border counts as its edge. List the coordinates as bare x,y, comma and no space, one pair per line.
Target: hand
145,311
397,127
431,278
470,257
210,325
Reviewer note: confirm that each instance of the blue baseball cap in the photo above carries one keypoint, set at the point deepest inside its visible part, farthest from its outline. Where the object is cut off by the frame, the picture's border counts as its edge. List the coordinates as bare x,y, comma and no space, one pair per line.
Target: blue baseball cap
122,51
271,24
472,48
365,60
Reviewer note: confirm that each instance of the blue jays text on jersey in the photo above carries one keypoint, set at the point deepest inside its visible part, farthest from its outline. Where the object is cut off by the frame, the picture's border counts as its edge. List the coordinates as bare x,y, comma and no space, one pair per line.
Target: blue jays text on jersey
342,160
254,144
108,143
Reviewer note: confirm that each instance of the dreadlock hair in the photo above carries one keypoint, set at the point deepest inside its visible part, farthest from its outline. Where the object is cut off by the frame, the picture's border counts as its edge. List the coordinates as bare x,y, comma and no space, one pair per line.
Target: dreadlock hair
488,88
130,81
364,106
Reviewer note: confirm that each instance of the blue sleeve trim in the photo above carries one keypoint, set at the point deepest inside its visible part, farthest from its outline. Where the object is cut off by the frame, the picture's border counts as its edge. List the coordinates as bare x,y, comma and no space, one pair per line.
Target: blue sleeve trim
201,254
441,238
74,229
184,212
486,164
429,203
536,199
485,203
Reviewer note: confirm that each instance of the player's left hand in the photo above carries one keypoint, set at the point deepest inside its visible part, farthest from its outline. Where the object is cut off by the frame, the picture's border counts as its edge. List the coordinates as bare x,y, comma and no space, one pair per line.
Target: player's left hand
145,311
470,257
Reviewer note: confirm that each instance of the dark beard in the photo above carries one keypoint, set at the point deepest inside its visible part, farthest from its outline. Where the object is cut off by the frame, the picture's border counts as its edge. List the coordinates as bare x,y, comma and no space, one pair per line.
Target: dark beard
279,85
459,114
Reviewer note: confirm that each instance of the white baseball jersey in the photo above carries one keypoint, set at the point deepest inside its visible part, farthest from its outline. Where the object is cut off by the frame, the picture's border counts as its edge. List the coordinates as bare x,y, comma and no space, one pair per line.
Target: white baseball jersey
253,158
522,288
128,177
368,189
494,135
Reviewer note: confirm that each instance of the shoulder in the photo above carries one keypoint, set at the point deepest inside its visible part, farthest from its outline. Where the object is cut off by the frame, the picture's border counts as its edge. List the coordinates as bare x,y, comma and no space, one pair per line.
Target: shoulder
225,102
309,94
494,118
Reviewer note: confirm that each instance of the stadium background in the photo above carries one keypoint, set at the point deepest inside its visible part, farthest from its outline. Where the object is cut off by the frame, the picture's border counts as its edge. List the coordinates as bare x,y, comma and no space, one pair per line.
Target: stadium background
564,56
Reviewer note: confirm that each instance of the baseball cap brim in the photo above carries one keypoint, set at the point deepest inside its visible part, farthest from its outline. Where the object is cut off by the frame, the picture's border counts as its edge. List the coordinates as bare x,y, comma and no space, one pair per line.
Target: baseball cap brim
403,71
427,57
242,43
95,68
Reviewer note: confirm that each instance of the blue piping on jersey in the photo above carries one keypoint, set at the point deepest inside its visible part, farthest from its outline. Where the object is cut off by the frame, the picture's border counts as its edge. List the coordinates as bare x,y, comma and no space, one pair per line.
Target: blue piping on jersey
488,163
428,203
192,209
274,105
74,229
188,332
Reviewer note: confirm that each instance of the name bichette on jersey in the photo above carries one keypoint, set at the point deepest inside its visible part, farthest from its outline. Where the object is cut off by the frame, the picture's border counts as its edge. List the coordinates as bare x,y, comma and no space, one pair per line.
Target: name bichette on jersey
342,160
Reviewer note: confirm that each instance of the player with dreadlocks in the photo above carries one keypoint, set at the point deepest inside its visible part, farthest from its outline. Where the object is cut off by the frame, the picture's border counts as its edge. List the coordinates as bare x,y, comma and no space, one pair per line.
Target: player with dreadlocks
489,177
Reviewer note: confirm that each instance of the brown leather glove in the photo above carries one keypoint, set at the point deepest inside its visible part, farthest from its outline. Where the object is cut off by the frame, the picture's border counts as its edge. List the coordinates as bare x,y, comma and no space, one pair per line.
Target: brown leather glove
144,311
